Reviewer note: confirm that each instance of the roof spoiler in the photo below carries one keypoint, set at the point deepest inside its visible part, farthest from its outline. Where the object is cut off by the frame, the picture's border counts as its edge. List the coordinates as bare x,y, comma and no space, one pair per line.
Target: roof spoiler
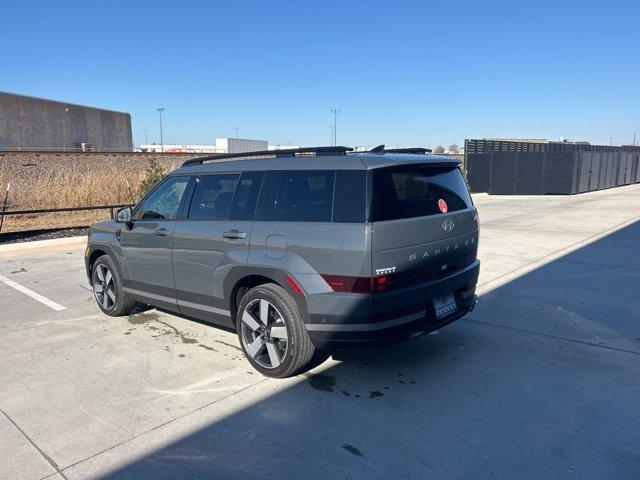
415,150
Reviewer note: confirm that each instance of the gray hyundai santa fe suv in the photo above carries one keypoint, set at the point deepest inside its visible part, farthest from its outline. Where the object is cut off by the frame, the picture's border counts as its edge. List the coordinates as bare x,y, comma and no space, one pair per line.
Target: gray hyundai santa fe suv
301,251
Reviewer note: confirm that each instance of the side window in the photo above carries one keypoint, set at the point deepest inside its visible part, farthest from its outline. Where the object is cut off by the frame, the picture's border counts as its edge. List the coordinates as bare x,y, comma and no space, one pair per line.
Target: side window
245,198
268,195
163,203
305,196
350,198
212,197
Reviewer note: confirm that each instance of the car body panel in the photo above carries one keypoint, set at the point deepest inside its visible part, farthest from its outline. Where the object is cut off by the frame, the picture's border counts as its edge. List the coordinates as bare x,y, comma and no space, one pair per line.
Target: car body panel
148,258
202,259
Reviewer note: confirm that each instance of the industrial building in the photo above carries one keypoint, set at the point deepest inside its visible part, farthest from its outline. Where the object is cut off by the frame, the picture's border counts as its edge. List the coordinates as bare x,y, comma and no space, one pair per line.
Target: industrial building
223,145
240,145
29,123
175,148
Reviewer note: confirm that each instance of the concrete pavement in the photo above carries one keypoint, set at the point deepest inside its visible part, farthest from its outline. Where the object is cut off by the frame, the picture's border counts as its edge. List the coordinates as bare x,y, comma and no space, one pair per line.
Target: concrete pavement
542,380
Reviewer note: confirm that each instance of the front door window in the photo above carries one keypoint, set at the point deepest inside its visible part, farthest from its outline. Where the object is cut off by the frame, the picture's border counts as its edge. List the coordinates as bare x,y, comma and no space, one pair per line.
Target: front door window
164,202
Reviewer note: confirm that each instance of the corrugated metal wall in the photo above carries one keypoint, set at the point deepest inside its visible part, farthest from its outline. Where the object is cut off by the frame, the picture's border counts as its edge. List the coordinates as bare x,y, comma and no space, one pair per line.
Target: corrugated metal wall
531,168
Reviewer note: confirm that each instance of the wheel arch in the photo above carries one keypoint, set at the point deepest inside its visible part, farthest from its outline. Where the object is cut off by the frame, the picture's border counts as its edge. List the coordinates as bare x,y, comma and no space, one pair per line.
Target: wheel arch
97,251
253,277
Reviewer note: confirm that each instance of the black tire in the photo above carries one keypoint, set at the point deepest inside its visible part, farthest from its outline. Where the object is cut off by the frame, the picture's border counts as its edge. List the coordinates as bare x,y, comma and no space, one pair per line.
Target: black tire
300,353
319,357
123,304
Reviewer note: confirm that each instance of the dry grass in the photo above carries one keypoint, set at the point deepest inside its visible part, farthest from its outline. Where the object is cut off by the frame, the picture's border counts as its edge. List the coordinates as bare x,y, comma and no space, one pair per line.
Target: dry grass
46,221
59,181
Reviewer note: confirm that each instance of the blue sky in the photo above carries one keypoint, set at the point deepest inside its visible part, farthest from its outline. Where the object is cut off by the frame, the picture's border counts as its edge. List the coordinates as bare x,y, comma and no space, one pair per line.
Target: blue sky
402,72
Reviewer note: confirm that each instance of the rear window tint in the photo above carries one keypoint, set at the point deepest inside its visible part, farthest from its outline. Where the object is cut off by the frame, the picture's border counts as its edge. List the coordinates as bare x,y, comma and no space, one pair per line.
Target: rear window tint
305,196
268,195
417,191
313,196
246,196
349,200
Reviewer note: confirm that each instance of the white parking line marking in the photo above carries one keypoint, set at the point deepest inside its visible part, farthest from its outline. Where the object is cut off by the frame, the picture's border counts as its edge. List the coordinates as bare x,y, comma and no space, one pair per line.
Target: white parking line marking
36,296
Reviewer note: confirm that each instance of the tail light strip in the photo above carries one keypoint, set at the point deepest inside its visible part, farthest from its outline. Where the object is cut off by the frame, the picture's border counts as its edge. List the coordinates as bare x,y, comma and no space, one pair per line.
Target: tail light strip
381,283
346,284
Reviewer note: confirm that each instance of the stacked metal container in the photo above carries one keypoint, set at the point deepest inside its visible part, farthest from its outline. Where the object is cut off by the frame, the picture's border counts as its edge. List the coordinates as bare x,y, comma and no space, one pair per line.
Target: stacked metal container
537,168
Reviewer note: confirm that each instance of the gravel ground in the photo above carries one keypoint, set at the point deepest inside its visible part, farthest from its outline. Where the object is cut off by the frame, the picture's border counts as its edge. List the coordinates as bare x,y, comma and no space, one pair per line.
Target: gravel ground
16,237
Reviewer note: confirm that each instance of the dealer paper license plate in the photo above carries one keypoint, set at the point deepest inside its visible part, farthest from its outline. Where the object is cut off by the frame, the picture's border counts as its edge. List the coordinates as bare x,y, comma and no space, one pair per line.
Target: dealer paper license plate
444,306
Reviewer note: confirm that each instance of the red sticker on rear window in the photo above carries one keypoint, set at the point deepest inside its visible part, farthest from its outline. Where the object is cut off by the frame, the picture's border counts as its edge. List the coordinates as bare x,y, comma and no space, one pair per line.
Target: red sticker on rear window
442,205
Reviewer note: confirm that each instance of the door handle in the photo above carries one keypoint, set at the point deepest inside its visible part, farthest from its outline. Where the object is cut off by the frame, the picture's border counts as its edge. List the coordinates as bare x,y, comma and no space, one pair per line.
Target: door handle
234,234
162,232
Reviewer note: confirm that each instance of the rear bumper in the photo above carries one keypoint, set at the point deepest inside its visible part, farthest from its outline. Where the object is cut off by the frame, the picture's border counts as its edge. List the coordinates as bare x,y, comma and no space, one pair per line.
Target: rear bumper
399,315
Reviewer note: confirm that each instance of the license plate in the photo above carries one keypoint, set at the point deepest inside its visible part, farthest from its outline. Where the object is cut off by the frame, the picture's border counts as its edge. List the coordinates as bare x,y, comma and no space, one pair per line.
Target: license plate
444,305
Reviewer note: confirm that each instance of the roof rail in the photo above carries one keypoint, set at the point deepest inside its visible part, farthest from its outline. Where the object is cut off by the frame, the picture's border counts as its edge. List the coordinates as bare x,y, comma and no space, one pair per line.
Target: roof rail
383,149
287,152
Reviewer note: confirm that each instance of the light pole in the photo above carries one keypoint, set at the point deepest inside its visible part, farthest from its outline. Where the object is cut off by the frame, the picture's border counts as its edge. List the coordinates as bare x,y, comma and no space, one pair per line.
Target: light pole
160,110
237,129
66,129
331,128
146,139
335,112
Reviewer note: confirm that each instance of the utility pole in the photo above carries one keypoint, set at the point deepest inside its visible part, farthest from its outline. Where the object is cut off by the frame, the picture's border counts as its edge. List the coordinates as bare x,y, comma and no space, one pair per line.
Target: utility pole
160,110
146,139
237,129
335,112
66,129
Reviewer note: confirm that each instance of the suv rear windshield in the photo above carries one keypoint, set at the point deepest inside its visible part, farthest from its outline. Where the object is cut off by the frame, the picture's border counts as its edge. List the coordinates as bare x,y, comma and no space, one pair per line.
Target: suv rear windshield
417,191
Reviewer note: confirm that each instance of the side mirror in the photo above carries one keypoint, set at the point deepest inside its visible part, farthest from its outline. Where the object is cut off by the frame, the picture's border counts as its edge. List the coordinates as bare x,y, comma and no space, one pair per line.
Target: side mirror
124,215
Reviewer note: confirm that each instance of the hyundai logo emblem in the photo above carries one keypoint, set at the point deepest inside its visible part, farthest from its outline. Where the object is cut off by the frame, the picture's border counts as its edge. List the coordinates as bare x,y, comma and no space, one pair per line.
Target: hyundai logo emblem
448,225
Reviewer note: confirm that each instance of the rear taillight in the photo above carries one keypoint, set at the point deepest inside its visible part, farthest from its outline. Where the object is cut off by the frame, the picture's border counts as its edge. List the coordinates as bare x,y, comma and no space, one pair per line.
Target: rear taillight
294,286
362,285
345,284
471,256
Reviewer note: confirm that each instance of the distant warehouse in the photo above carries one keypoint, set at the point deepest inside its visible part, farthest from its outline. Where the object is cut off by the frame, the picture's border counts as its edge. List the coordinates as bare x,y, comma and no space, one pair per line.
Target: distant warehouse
29,123
223,145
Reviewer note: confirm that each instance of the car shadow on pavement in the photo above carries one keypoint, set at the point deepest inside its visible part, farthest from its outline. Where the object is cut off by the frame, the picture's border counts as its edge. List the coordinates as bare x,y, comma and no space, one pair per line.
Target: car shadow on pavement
541,381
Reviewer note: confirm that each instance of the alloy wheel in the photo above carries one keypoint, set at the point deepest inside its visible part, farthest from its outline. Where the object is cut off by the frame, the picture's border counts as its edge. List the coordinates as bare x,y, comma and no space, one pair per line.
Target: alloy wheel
104,287
264,333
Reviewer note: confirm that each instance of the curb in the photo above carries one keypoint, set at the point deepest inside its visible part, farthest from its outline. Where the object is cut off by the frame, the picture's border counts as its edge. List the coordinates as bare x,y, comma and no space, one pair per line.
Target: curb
54,242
